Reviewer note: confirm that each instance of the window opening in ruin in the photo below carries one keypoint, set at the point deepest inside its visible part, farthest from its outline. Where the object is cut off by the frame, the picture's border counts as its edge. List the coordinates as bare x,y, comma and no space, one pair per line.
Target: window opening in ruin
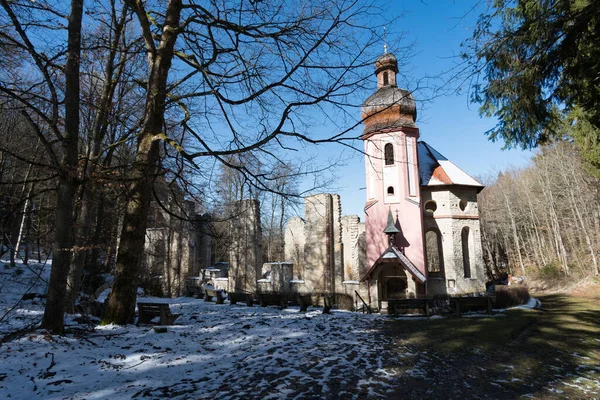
390,190
462,205
385,78
435,257
389,154
465,250
430,206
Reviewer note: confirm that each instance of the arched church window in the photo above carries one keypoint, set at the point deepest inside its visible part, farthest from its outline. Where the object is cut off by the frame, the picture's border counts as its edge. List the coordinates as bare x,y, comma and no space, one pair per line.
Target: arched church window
463,205
430,207
435,257
390,190
386,79
388,151
465,251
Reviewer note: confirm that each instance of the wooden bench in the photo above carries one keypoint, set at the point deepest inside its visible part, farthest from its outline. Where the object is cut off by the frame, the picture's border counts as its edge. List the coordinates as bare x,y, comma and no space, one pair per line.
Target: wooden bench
234,297
147,311
480,303
210,293
409,304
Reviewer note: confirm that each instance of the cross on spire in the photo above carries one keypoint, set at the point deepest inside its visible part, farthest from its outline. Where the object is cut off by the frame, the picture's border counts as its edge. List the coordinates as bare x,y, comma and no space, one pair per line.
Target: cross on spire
384,40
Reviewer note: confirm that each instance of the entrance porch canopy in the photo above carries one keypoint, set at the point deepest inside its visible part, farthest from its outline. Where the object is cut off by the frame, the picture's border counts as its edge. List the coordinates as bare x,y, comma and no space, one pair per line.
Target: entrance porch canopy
393,254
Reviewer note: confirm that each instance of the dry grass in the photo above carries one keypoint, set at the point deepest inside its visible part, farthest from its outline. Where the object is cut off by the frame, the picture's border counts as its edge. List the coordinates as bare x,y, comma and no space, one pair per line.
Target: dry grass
547,353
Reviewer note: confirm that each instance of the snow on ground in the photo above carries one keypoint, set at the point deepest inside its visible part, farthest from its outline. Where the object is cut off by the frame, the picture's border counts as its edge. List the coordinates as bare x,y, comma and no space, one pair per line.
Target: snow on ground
213,351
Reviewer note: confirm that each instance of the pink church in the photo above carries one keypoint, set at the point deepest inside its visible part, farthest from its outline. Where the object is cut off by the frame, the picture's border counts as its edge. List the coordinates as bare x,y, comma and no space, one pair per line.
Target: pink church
422,220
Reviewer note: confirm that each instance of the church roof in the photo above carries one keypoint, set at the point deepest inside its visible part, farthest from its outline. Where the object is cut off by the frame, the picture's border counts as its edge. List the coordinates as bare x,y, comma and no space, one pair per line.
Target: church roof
437,170
393,254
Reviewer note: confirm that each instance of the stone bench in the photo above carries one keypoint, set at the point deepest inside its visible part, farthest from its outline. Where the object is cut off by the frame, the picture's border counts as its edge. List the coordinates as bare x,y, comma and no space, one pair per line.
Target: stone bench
395,305
481,303
147,311
210,293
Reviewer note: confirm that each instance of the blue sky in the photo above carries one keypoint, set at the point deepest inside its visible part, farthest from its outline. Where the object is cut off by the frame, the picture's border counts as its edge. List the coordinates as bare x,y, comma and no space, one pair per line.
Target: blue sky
449,124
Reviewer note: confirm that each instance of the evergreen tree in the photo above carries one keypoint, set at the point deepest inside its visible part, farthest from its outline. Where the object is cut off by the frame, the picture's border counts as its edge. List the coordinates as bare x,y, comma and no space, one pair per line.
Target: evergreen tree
535,65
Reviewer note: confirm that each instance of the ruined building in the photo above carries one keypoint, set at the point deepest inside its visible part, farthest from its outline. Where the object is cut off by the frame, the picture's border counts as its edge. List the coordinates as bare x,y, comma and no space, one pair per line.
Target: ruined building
326,249
174,248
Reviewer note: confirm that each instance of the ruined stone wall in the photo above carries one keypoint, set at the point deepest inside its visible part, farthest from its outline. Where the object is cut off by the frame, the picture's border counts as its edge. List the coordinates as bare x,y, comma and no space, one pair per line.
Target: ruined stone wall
294,245
245,258
203,243
168,257
318,248
354,248
276,277
337,253
327,250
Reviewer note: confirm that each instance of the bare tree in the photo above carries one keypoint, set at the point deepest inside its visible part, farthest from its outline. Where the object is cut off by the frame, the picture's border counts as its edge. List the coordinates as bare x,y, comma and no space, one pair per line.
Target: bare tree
245,74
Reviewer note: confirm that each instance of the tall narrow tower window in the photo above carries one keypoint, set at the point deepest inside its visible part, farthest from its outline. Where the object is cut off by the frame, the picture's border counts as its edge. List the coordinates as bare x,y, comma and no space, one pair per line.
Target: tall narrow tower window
410,167
389,154
386,80
465,239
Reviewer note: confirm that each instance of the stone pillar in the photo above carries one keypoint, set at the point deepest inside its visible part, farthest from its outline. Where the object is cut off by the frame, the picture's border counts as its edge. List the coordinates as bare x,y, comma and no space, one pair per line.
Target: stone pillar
294,245
318,248
337,250
351,232
245,256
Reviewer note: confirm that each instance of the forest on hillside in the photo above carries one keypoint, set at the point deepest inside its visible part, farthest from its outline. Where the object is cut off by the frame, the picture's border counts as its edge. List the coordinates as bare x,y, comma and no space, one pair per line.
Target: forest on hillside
543,220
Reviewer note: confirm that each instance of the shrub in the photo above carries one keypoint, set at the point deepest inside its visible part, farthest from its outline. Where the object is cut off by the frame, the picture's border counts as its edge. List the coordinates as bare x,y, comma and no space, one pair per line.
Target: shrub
550,271
510,296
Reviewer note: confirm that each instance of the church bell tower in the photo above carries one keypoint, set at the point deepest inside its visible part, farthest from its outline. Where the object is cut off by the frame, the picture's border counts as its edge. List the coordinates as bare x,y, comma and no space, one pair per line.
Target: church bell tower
392,173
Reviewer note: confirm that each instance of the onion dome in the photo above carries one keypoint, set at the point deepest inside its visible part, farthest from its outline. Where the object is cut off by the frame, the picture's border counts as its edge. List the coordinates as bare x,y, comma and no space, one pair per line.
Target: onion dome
389,107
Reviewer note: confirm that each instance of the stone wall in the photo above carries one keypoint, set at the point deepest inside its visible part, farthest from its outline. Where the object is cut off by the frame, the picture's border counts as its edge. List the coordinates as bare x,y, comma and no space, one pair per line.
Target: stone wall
245,259
294,245
318,271
326,249
168,259
353,241
203,243
456,209
276,277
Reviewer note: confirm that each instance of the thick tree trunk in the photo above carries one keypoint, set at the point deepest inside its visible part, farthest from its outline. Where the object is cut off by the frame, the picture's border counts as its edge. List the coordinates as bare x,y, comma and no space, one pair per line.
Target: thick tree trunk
121,305
67,184
88,191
